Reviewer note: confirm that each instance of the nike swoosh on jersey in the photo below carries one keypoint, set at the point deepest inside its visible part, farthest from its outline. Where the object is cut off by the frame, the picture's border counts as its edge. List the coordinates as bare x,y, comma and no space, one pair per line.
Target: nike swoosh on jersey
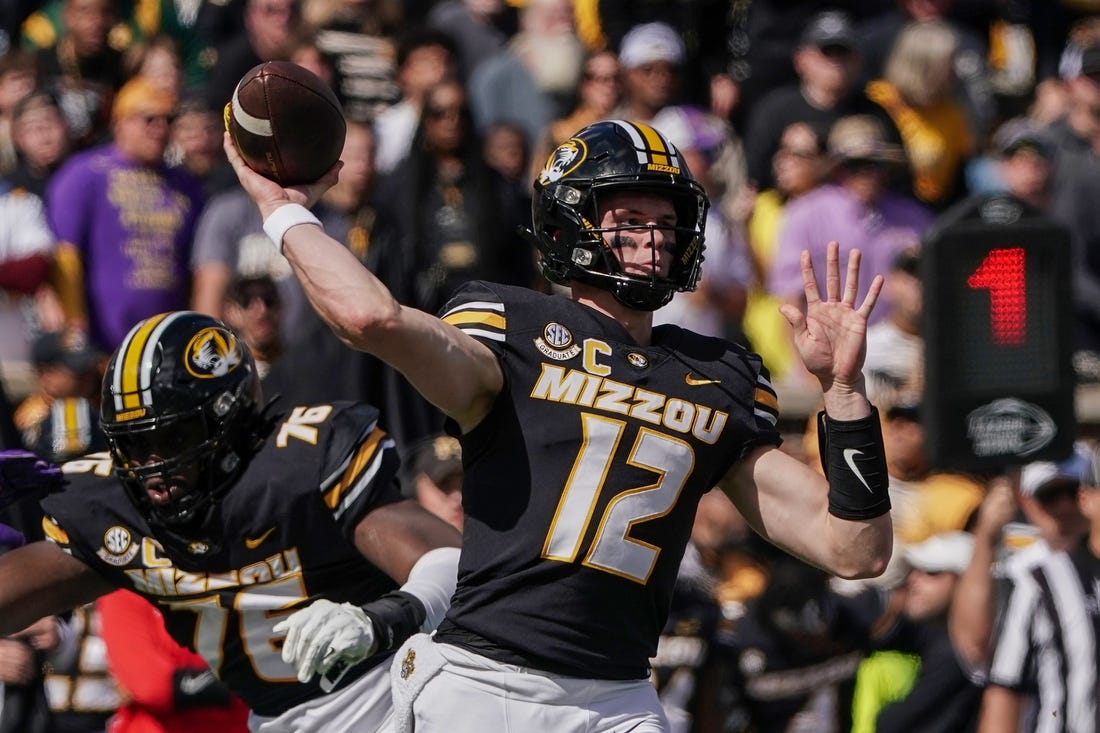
694,381
253,542
850,458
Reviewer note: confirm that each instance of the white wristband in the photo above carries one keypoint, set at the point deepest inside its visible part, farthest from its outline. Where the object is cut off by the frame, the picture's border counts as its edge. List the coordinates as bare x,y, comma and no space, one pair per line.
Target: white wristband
285,217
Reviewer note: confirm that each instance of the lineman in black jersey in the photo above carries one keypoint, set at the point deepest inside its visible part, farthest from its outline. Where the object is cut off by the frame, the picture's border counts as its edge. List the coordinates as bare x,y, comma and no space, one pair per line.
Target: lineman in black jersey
230,520
588,436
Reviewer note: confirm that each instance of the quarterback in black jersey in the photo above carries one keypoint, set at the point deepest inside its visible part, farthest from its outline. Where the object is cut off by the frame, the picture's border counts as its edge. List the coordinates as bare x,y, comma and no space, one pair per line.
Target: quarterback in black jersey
261,536
588,436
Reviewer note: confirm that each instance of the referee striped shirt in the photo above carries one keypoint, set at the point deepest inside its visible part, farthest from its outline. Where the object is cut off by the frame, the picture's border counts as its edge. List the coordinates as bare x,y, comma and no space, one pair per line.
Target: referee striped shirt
1049,641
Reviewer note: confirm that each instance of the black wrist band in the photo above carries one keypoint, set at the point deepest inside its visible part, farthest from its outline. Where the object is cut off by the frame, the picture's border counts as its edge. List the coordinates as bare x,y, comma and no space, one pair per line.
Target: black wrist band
854,461
396,616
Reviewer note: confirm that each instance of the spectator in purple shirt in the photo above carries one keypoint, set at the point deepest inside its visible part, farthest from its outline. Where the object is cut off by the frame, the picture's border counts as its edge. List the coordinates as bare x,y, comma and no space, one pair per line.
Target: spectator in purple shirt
857,208
124,222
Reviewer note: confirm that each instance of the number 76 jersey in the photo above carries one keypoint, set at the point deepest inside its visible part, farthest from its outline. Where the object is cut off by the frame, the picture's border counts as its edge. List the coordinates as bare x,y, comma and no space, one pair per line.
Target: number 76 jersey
280,536
582,482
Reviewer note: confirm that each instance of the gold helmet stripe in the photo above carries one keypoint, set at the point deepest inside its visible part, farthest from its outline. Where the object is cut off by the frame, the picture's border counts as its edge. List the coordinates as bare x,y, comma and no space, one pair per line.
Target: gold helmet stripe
134,363
652,146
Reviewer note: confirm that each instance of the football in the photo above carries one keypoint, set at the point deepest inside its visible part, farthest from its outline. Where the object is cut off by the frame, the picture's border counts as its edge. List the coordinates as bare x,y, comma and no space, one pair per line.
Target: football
286,122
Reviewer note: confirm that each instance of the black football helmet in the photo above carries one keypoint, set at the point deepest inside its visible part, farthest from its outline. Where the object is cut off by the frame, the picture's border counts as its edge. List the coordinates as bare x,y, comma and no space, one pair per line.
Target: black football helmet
181,398
607,157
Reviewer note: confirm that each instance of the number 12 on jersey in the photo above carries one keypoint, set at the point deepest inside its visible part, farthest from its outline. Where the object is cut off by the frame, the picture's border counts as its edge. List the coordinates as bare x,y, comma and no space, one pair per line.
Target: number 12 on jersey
612,549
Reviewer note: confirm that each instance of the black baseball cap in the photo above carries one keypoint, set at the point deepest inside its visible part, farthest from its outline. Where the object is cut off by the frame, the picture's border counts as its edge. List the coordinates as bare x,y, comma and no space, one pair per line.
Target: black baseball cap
1021,133
1090,59
57,348
830,28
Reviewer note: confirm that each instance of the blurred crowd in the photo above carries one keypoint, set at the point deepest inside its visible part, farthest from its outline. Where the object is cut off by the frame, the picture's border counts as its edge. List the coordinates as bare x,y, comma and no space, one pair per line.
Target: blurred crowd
863,121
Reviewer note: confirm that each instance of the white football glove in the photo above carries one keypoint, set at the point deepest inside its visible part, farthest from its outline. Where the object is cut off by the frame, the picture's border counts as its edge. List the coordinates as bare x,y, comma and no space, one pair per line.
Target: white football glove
324,633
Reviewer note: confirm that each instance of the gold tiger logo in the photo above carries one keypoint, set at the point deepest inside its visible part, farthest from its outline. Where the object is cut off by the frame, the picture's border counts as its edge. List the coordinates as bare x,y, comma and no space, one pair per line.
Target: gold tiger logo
212,352
565,158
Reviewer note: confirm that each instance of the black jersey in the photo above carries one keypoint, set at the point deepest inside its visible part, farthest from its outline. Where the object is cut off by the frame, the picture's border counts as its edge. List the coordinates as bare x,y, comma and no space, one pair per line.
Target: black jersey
280,535
581,483
767,678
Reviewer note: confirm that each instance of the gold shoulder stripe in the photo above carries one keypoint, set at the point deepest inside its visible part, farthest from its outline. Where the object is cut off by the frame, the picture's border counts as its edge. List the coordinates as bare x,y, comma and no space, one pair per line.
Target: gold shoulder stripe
359,461
766,398
53,532
480,318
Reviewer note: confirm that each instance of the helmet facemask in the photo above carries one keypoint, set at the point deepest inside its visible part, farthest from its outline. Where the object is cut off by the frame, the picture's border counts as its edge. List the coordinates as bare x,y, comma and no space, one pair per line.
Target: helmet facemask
190,454
595,260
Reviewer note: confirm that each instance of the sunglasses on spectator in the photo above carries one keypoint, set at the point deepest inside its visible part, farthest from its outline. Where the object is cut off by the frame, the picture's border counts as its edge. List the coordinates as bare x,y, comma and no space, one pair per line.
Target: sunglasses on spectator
602,78
796,153
836,52
438,113
268,298
1054,494
932,573
862,165
150,119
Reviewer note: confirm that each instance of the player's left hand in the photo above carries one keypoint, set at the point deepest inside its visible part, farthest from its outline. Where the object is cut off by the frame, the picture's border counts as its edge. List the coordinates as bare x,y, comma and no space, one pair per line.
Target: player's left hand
323,633
831,336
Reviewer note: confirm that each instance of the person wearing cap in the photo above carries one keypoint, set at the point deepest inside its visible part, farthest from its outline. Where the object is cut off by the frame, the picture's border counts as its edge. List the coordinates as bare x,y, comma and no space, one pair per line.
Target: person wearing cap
651,56
253,308
994,612
435,479
789,662
856,208
1077,130
827,62
60,420
945,692
1074,193
1008,546
798,167
1025,153
124,221
1049,646
709,146
916,92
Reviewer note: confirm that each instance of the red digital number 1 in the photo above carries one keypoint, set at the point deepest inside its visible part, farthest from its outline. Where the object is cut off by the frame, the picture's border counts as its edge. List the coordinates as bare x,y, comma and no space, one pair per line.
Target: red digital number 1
1002,274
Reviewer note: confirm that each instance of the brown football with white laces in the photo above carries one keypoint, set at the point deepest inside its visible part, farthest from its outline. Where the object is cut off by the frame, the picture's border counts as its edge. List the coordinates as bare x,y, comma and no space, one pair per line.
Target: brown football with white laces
286,122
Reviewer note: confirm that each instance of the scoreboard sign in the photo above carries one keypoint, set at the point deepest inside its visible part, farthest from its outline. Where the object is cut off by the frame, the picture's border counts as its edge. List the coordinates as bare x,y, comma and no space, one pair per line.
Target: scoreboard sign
997,328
